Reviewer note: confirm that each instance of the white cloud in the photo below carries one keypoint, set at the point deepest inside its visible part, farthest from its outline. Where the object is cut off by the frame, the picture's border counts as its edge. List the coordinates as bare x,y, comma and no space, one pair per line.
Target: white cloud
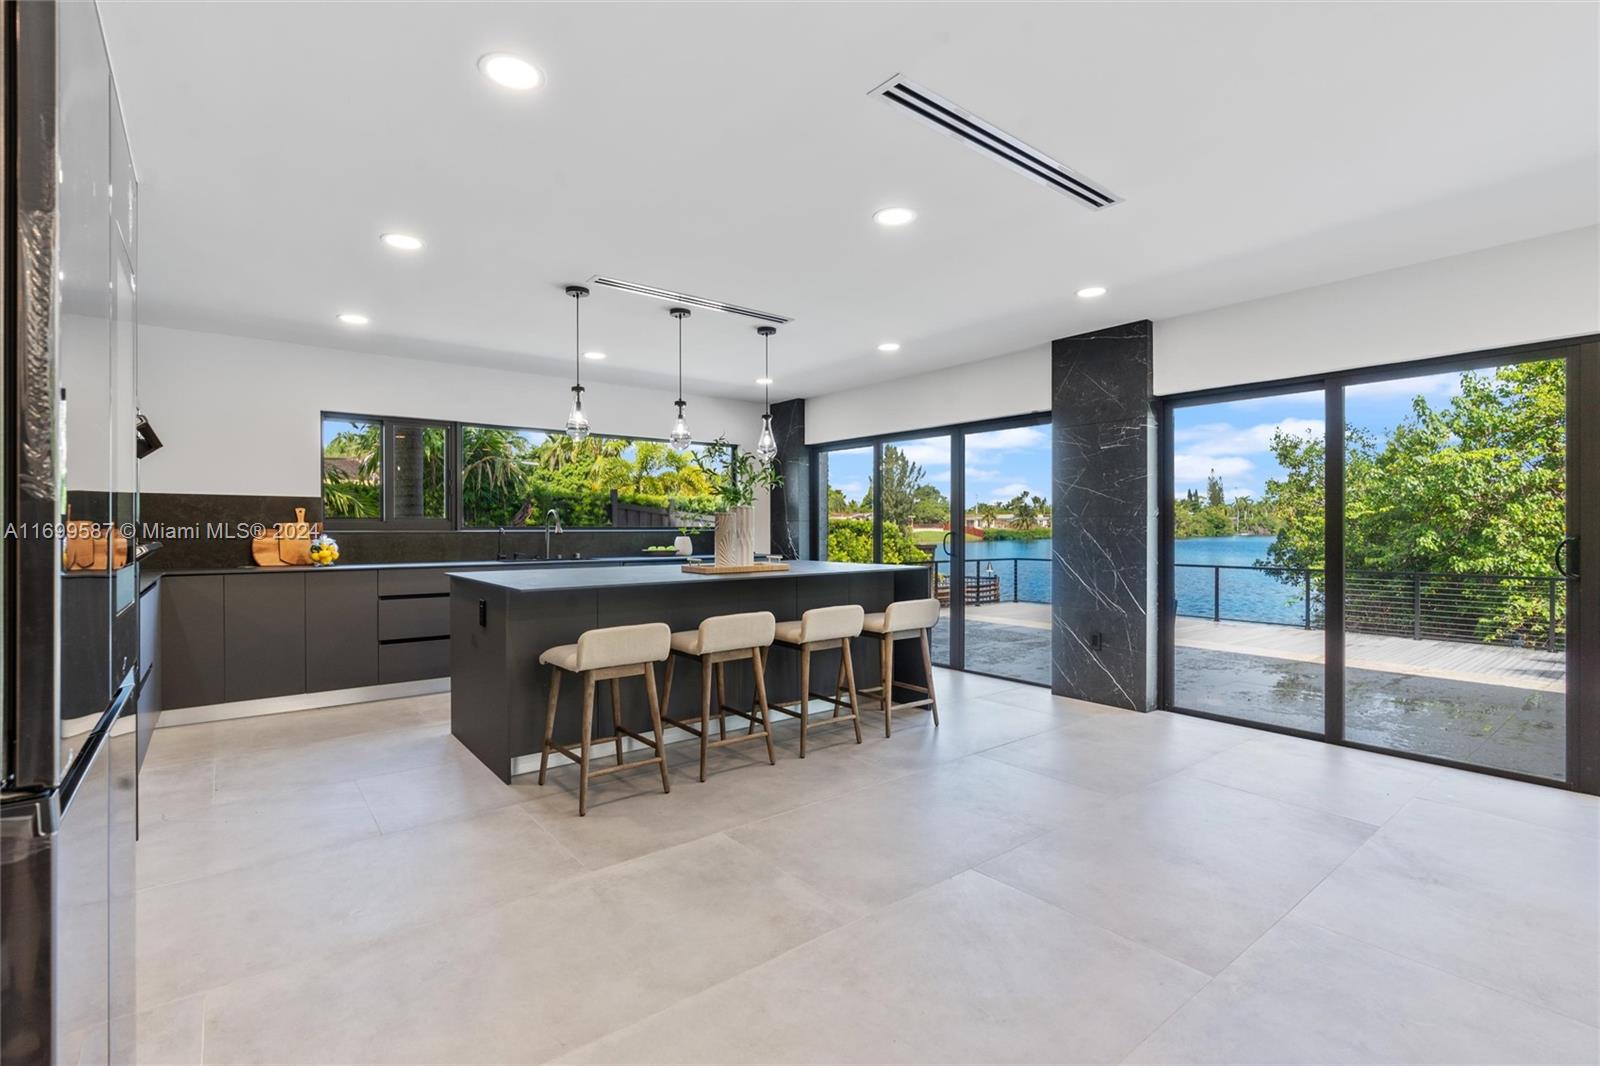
1005,493
1197,466
926,453
1008,439
1221,438
1434,386
852,489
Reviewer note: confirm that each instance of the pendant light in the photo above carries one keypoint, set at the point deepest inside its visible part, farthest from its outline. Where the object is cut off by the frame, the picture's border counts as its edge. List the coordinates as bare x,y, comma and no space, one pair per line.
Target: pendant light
679,437
577,421
766,444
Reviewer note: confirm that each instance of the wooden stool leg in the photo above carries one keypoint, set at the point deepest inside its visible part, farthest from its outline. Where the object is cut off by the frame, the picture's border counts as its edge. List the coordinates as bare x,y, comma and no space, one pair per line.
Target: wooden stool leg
583,753
655,722
888,680
705,712
722,701
927,671
805,695
761,701
549,720
850,679
616,715
666,687
838,686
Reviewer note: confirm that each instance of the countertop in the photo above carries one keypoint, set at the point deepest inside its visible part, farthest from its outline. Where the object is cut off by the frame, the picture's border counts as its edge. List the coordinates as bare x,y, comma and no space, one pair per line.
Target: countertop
558,579
438,564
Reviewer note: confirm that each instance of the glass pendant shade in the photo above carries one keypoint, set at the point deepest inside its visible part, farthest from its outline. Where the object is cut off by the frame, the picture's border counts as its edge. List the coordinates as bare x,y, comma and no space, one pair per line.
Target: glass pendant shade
577,421
679,438
766,444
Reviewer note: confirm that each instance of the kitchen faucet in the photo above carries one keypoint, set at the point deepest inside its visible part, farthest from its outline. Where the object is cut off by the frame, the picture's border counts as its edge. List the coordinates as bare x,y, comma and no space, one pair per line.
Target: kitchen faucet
549,515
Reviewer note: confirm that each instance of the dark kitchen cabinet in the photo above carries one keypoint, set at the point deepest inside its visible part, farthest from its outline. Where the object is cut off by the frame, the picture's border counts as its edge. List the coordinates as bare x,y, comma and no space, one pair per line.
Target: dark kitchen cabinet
341,631
149,700
265,622
192,621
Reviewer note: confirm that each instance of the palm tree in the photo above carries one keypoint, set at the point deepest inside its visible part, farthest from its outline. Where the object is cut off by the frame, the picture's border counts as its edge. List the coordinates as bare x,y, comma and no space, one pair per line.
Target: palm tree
987,513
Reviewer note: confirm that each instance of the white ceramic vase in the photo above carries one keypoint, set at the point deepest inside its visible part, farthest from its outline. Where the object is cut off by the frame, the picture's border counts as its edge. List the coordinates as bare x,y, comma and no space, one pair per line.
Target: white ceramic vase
683,546
735,544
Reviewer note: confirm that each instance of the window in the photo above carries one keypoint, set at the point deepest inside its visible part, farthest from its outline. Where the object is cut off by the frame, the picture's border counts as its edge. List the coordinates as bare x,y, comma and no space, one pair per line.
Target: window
394,471
514,476
411,474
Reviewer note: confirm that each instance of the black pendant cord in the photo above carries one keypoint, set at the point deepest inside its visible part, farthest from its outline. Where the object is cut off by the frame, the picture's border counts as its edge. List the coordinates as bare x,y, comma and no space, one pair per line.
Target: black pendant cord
577,344
766,369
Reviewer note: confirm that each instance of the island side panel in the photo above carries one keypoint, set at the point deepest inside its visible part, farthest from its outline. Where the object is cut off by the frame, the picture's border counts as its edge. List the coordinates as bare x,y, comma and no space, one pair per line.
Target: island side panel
479,674
537,621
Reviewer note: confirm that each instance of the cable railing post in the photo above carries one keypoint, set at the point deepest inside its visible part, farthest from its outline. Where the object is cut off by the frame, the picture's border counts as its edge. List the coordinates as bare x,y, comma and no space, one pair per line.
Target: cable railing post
1216,593
1308,599
1550,633
1416,606
1015,588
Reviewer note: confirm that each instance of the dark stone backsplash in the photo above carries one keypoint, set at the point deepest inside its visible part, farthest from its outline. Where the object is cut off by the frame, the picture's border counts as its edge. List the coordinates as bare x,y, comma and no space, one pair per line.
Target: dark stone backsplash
791,506
180,513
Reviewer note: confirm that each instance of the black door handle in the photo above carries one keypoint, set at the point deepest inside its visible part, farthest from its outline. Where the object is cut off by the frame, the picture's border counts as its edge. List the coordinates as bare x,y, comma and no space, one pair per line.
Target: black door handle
1561,556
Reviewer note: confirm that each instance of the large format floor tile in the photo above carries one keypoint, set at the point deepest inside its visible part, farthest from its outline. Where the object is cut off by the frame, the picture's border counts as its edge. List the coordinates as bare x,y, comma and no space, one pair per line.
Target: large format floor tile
967,971
202,933
529,979
1304,994
1553,808
884,842
1495,900
1121,752
1193,869
1357,784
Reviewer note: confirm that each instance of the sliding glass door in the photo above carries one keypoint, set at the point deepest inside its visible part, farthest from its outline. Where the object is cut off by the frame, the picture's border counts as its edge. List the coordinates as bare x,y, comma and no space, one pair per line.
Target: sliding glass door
1248,482
1381,558
1455,502
972,504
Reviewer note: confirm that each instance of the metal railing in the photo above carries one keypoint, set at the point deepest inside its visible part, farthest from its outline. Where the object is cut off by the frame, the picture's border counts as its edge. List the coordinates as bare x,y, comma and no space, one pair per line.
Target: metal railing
986,582
1513,610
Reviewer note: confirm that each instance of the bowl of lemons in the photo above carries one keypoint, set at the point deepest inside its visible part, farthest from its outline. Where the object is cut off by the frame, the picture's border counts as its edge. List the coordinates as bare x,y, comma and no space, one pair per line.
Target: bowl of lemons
324,550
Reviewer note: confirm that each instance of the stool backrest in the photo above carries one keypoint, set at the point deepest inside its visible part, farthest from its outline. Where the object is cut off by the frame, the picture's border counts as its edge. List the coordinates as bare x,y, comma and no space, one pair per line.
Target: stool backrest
903,615
831,623
735,632
624,645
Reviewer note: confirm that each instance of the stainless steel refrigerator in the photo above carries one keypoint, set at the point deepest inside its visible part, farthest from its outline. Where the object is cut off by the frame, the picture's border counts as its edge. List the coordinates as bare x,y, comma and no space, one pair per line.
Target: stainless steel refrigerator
69,631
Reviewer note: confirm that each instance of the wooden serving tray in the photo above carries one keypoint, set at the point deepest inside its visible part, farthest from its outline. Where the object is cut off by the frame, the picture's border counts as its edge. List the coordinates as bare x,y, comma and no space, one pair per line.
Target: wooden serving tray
753,568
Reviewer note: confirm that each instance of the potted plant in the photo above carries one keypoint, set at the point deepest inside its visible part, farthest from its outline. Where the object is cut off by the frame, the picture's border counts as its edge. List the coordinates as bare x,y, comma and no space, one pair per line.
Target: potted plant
738,475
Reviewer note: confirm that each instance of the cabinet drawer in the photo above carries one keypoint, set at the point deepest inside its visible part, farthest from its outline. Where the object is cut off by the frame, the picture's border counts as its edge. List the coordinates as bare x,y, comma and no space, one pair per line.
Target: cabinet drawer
427,616
424,582
413,660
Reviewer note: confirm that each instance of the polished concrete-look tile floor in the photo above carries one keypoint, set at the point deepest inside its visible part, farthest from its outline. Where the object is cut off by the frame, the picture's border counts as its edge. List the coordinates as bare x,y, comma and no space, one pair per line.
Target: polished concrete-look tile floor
1038,880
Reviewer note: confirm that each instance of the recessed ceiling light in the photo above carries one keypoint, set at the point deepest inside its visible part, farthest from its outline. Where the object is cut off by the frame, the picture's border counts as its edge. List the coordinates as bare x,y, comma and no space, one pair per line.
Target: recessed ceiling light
889,346
1091,292
894,216
512,72
354,318
594,355
763,381
404,242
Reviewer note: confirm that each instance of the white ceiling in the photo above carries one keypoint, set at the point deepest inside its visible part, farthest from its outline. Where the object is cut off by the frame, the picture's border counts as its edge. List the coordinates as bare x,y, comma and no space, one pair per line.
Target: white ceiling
732,151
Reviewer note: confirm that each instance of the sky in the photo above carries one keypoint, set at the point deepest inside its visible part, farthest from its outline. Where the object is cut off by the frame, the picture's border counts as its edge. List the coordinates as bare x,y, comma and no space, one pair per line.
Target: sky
1234,438
1000,464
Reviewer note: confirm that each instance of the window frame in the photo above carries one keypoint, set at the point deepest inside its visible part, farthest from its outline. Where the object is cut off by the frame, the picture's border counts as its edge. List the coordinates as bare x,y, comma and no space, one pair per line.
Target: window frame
455,512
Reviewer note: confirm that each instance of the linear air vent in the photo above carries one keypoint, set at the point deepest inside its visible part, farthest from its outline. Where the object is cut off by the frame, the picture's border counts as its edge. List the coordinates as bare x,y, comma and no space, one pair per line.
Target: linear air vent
687,300
941,114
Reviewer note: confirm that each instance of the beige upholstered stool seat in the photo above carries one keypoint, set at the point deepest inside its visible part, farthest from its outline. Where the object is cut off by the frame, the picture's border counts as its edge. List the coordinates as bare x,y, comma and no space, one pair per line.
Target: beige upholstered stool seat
608,654
728,632
822,629
902,620
717,642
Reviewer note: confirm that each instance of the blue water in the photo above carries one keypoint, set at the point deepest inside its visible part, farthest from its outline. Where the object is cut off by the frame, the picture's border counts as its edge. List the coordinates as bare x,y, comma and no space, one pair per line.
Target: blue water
1023,567
1246,595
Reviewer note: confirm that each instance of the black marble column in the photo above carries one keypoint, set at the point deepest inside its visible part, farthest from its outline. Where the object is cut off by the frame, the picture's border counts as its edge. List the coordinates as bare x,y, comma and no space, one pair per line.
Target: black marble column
791,508
1103,517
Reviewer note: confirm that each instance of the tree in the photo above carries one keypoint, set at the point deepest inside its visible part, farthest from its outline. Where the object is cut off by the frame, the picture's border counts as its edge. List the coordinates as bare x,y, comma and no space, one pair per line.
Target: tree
838,503
987,514
901,479
1475,487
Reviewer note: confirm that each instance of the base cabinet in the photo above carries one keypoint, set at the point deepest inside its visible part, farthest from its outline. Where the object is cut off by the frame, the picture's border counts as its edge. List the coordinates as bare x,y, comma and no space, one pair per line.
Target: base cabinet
341,630
264,634
192,623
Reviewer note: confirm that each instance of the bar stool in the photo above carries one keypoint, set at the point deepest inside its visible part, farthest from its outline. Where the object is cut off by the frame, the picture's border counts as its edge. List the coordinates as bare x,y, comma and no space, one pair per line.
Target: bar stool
822,629
609,654
903,620
719,641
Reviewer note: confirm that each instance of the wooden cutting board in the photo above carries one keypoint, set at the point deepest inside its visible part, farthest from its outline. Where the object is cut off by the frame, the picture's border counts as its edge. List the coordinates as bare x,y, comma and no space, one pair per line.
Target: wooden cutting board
753,568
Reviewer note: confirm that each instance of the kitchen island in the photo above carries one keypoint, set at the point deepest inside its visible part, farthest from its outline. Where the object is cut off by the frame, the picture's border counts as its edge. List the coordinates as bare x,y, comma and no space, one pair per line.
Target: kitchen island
500,622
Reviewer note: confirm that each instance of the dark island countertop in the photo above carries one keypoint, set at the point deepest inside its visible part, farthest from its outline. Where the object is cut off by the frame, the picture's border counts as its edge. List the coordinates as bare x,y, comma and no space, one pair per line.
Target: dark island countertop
573,579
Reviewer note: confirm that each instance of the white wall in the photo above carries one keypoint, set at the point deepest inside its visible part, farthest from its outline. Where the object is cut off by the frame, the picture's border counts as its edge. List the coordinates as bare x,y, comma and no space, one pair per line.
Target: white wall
1535,290
243,415
1014,384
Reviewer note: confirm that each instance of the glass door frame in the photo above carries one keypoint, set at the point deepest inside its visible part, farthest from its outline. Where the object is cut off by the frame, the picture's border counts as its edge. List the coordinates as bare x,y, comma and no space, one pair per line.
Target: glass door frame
957,432
1583,512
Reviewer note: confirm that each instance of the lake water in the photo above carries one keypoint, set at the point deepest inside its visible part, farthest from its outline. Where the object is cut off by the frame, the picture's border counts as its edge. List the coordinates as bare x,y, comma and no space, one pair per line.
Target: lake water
1023,566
